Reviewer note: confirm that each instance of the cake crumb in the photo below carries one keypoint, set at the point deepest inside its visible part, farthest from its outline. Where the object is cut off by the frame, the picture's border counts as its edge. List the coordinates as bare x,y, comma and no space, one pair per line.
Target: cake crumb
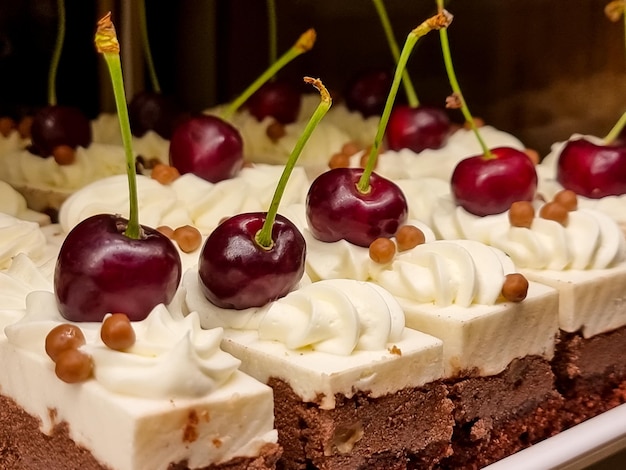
395,350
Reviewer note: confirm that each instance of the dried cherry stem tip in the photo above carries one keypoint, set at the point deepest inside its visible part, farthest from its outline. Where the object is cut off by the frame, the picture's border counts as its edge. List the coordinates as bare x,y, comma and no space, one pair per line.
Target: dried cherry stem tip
264,236
107,44
440,20
304,43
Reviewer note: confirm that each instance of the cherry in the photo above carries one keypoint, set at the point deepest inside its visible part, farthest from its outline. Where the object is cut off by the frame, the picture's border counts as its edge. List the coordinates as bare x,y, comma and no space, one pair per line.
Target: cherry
417,128
251,259
101,270
279,99
336,209
59,125
151,110
357,204
236,272
489,185
367,92
592,170
208,147
107,263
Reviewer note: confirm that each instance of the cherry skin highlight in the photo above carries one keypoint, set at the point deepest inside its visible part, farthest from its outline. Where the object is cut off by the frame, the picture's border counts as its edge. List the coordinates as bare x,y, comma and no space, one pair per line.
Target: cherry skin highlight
487,186
279,99
236,272
100,270
208,147
417,128
367,92
592,170
152,111
59,125
336,209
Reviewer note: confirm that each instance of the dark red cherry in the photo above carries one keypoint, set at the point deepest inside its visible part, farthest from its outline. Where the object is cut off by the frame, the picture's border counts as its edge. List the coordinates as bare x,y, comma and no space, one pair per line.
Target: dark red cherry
487,186
592,170
279,99
417,128
237,272
100,270
367,92
336,209
149,110
208,147
59,125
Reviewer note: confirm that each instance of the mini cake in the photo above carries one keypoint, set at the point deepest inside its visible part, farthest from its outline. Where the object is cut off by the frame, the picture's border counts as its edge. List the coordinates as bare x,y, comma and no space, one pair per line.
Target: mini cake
491,347
140,409
353,388
583,258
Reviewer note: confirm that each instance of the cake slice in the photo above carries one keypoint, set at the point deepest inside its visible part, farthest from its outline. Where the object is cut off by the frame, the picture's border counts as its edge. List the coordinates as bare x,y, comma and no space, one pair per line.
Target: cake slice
353,388
171,400
583,258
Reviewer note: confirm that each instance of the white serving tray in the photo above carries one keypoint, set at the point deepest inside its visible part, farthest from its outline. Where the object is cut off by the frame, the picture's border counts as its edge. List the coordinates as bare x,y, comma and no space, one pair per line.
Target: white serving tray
573,449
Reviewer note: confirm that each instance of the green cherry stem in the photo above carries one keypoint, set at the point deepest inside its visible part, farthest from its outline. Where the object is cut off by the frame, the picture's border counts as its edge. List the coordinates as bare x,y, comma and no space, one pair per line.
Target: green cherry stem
454,83
56,53
264,236
303,44
411,96
615,11
272,31
436,22
107,45
147,51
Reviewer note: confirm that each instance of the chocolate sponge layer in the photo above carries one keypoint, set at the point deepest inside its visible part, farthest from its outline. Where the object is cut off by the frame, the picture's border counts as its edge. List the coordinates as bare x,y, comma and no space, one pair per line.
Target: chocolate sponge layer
411,428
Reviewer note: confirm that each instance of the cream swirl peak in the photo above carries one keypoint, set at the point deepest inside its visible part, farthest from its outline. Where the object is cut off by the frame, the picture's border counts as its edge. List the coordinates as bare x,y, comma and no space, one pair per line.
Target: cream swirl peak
589,240
20,236
173,357
335,316
188,200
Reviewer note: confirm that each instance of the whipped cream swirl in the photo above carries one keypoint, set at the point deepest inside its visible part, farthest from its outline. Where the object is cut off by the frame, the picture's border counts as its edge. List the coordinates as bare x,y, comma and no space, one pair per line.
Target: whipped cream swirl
172,357
19,236
335,316
589,240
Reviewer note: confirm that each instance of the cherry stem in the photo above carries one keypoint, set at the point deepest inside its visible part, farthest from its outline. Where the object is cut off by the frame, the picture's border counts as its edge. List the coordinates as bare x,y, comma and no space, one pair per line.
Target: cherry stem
615,131
147,51
303,44
272,31
56,53
107,44
614,11
411,96
264,236
454,83
435,22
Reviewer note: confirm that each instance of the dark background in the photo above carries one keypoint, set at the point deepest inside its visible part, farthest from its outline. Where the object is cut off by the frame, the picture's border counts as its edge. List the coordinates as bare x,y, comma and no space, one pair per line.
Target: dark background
539,69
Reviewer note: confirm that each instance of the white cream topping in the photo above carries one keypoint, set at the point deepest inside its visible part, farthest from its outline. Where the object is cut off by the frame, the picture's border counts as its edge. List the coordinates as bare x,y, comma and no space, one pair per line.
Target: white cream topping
548,186
337,316
590,239
325,140
14,204
20,236
188,200
12,143
439,163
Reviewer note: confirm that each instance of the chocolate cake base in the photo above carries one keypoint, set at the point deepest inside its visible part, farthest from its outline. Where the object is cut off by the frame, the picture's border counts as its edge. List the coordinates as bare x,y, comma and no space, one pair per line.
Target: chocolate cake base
591,373
409,429
24,447
499,415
